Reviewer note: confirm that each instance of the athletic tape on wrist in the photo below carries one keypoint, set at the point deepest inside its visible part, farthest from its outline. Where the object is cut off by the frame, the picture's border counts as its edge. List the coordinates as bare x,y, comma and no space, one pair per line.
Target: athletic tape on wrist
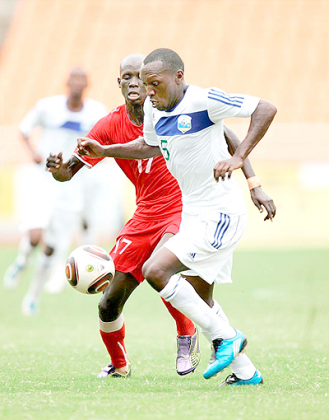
253,182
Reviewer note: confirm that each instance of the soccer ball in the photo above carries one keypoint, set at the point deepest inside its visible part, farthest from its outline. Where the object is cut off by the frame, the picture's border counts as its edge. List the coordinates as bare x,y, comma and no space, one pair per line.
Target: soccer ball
89,269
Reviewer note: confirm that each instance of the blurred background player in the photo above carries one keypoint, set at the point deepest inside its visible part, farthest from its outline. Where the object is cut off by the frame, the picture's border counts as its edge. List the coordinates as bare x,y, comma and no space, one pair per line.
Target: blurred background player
155,220
52,216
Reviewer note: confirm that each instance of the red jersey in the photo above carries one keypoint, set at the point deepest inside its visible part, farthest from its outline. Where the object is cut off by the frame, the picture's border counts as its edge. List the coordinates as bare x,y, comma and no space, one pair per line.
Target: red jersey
157,191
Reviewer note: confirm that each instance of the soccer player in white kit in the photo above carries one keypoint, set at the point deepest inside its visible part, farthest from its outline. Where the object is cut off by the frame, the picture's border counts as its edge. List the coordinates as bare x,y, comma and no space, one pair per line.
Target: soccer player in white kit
185,124
53,212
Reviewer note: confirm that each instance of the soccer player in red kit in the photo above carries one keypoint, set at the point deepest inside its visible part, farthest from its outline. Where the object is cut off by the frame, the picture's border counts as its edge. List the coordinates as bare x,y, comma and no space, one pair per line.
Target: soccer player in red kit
155,220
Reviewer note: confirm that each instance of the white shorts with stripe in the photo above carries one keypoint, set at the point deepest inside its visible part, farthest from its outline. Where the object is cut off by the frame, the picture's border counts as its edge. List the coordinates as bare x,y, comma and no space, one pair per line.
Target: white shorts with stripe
205,244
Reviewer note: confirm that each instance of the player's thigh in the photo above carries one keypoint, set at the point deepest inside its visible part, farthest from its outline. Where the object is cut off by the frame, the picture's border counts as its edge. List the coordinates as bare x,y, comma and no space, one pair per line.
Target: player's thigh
161,266
137,241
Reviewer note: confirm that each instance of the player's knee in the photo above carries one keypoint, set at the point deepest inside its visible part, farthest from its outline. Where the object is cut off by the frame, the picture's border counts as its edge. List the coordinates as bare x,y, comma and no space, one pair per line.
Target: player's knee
49,250
155,276
109,308
34,242
35,236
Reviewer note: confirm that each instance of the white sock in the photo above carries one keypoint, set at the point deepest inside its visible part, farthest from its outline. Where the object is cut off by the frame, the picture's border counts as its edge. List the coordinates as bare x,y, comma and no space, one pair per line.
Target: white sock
57,279
41,276
242,366
24,251
112,326
183,297
217,309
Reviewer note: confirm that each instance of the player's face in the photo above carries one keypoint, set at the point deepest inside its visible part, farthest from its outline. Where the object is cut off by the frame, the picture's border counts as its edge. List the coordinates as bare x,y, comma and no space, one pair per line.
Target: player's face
77,83
162,86
132,87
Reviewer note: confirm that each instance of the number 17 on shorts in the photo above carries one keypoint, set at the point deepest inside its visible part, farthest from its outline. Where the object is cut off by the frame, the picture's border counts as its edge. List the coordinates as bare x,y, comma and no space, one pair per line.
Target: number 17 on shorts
121,245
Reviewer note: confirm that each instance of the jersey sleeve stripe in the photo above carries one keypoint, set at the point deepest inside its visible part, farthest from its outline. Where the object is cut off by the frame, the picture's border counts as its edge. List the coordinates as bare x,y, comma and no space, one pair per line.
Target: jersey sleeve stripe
221,92
222,95
224,102
83,161
228,98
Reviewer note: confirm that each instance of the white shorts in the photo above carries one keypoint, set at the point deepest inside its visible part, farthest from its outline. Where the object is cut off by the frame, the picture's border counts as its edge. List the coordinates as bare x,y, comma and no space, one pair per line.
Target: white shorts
205,244
62,228
35,194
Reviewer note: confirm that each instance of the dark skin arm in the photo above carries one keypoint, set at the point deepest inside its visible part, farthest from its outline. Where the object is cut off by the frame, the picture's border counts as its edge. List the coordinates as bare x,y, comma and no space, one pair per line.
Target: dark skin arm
260,121
63,171
35,155
136,149
258,196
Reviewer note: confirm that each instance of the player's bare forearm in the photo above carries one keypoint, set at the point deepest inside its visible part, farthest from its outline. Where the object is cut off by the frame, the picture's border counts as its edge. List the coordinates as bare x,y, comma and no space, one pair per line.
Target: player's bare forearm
233,143
260,199
261,119
136,149
34,154
63,171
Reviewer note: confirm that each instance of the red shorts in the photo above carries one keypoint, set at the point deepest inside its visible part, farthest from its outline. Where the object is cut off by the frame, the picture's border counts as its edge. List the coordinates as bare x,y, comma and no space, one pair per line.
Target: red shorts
137,240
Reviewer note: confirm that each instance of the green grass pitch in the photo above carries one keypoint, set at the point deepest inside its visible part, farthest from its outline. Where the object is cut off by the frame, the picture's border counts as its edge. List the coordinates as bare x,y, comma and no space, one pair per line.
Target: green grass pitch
279,299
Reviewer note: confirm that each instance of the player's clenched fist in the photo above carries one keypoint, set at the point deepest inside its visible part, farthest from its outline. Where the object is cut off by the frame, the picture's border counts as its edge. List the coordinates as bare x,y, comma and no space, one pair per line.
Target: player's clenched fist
88,147
227,167
54,162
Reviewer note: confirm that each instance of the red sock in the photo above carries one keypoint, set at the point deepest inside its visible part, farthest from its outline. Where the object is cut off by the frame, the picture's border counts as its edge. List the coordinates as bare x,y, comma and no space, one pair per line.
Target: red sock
184,325
114,342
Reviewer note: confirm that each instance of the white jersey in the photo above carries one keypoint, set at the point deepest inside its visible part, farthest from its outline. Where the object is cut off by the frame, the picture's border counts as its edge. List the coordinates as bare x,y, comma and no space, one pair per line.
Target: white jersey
191,138
60,126
60,129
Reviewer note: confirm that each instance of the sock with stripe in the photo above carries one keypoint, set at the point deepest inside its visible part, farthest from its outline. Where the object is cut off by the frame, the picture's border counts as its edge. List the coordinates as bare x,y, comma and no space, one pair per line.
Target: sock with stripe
184,325
113,335
181,294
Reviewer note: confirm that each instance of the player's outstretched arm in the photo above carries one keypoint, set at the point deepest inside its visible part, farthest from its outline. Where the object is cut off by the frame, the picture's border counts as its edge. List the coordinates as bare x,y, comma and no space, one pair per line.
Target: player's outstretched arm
37,158
258,196
136,149
260,121
63,171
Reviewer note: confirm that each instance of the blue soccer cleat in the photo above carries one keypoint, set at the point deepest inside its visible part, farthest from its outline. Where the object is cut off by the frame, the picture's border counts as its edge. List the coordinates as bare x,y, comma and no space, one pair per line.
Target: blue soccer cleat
30,305
232,379
226,351
12,276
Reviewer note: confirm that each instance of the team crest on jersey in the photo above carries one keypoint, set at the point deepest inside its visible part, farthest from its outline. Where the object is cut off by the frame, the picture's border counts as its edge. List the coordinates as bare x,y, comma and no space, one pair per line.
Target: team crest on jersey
184,123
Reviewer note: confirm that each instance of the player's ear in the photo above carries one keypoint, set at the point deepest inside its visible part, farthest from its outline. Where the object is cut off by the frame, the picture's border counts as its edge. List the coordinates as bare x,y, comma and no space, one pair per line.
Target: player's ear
119,82
179,76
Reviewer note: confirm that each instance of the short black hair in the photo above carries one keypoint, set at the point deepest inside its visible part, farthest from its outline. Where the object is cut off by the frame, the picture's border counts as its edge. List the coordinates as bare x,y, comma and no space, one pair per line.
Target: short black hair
169,57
